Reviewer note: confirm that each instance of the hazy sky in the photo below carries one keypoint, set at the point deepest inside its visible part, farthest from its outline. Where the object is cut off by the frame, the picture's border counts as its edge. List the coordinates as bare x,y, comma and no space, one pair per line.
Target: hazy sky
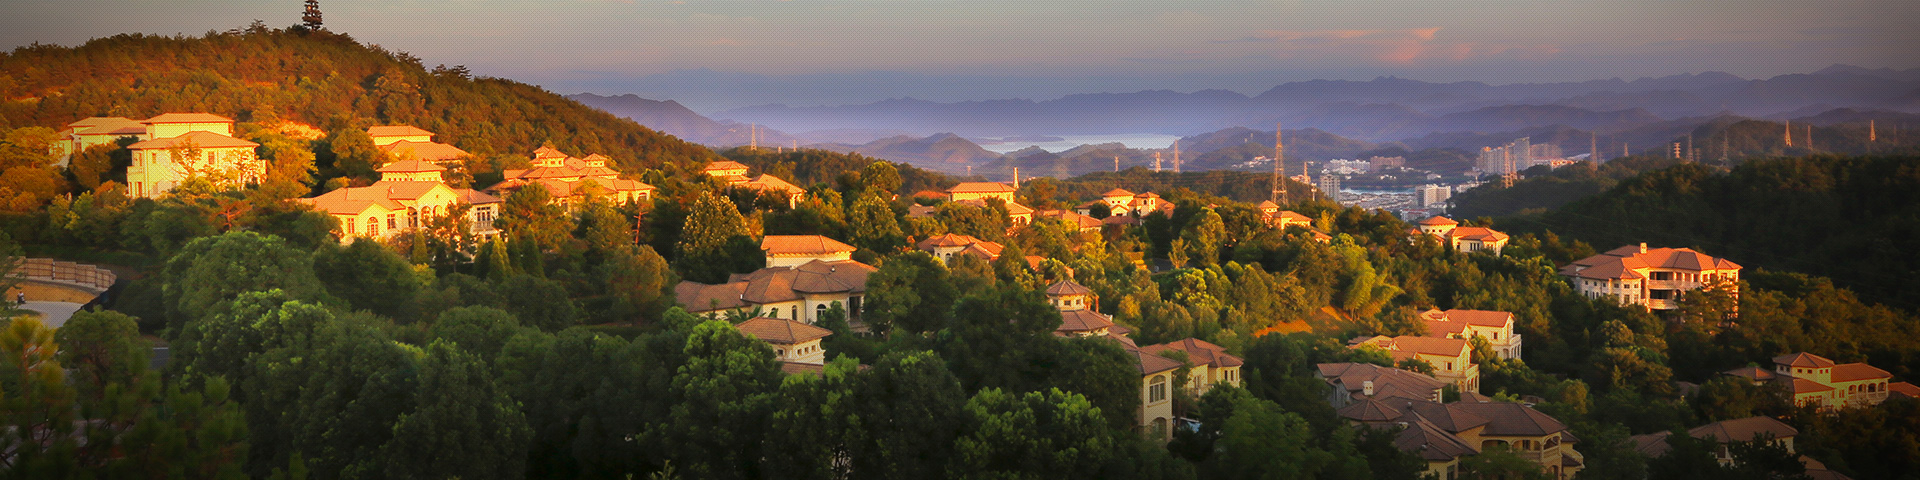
721,54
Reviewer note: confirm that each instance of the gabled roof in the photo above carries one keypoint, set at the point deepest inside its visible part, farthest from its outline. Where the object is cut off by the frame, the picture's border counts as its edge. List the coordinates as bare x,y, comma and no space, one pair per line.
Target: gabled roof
411,166
1512,419
548,152
1477,233
1266,204
424,150
1653,445
795,368
1353,376
1083,320
385,194
1619,263
1803,359
187,118
775,184
1199,352
1447,416
1904,388
396,131
1068,287
1743,429
1801,385
199,138
782,331
476,197
1854,372
1409,344
803,245
981,187
1150,363
1438,221
775,284
700,297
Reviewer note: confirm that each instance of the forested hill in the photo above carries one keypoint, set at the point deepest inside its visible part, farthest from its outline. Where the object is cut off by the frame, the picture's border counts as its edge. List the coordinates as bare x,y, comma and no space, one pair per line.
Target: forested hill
321,79
1850,218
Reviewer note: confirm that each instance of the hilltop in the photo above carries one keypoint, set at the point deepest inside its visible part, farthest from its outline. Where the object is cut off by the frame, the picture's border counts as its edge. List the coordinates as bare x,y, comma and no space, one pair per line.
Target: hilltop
322,79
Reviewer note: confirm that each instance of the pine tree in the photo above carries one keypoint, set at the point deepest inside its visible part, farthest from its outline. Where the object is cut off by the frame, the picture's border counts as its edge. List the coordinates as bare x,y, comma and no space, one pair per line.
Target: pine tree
311,17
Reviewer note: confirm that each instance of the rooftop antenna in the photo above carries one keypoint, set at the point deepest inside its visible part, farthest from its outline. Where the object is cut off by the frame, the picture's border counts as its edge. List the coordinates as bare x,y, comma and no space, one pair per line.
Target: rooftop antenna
1156,162
1873,134
1626,149
1279,166
969,170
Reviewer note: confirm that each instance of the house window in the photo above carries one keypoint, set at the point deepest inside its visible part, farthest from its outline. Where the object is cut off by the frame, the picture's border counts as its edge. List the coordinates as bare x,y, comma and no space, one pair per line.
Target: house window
373,225
1157,391
393,221
775,312
819,311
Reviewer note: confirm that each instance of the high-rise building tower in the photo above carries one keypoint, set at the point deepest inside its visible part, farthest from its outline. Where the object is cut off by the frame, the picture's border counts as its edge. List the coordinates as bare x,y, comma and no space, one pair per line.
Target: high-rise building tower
1279,168
1872,134
1156,162
1593,147
1789,134
1176,156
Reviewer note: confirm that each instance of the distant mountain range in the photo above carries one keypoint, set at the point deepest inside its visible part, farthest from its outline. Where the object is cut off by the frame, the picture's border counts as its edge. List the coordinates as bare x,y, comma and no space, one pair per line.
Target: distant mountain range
1441,124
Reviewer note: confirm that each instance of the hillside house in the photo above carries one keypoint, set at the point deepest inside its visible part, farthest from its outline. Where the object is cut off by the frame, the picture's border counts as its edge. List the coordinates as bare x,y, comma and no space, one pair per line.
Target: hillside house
1814,380
1211,364
1443,434
92,131
735,174
179,146
409,143
1079,310
1464,239
945,246
1451,358
795,250
1121,202
792,342
409,195
801,292
1496,327
980,191
1750,429
571,181
1650,278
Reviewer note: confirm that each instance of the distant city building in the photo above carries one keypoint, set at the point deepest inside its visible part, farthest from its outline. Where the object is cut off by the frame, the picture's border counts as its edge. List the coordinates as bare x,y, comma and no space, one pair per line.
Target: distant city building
1330,184
1506,159
1347,167
1376,164
1431,195
1650,278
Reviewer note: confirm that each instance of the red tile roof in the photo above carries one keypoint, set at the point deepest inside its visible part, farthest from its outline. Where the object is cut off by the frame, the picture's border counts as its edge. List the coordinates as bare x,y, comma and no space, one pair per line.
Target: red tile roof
981,187
424,150
803,245
1083,320
1751,373
1904,388
397,131
411,166
1803,359
1199,352
1150,363
1068,287
1438,220
1854,372
199,138
1743,429
782,331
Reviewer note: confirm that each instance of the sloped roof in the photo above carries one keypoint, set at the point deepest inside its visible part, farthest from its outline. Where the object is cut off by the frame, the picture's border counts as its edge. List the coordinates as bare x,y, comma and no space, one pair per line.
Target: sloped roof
548,152
1803,359
1117,192
396,131
1266,204
796,368
1417,345
1431,442
1199,352
1904,388
803,245
1743,429
424,150
1447,416
1477,233
724,165
948,240
1653,445
1351,377
1751,373
776,284
411,166
1068,287
1438,220
1854,372
199,138
780,330
1369,410
1512,419
476,197
188,118
385,194
981,187
1801,385
1619,263
700,297
1083,320
773,183
1150,363
108,126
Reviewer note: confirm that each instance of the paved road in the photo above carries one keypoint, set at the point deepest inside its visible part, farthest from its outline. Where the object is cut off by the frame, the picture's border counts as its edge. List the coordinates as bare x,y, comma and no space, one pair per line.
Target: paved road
54,314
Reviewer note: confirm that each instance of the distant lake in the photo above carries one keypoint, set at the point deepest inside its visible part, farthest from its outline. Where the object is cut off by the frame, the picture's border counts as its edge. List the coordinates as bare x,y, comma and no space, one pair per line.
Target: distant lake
1066,142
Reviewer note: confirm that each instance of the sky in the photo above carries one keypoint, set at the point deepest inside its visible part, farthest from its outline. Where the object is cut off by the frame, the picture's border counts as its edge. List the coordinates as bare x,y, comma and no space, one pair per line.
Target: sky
715,55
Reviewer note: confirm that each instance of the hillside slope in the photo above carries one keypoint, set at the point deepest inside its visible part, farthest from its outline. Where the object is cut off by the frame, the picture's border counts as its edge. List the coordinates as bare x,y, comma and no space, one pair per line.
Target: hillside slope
329,80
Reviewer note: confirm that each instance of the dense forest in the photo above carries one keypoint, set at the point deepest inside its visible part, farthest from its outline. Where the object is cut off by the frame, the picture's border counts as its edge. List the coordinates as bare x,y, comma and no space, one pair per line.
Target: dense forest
557,350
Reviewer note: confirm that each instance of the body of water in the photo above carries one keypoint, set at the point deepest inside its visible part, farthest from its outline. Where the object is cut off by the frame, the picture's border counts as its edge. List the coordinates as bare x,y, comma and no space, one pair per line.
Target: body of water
1131,140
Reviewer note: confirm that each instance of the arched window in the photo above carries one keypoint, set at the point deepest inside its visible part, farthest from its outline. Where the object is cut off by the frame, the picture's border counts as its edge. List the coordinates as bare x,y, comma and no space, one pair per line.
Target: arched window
774,312
1157,390
819,312
373,226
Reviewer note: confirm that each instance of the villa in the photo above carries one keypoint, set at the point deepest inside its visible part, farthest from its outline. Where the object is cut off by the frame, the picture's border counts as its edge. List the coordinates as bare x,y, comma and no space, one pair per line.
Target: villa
1451,358
408,196
1464,239
1649,278
1496,327
178,146
1814,380
570,181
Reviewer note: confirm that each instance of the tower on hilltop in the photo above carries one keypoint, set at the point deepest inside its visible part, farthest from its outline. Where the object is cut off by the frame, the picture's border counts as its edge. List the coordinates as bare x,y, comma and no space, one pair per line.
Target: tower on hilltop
1279,168
311,17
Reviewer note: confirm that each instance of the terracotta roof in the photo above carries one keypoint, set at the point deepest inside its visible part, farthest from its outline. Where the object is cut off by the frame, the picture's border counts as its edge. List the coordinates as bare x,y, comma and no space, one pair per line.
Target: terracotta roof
1802,359
1512,419
775,184
724,165
1076,219
424,150
1199,352
1438,220
774,285
1751,373
795,368
97,121
199,138
949,240
1449,347
1431,442
1352,377
548,152
1653,445
1619,263
1743,429
411,166
1801,385
188,118
1150,363
1119,329
1369,410
1854,372
108,126
397,131
1266,204
981,187
385,194
475,197
1447,416
1117,192
700,297
802,245
1068,287
1083,320
780,330
1477,233
1118,220
1904,388
986,250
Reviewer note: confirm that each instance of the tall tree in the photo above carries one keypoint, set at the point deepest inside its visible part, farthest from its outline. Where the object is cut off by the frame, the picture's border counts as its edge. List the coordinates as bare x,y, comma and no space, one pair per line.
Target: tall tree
872,225
210,270
369,276
463,424
531,215
714,230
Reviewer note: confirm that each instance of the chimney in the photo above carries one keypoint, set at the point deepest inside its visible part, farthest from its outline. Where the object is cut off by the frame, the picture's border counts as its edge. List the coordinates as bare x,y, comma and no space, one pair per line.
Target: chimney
1366,388
1643,247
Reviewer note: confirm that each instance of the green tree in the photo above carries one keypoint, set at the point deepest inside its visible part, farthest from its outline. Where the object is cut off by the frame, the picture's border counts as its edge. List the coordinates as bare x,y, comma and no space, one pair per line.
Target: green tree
1053,434
872,225
642,280
909,405
537,302
1205,235
910,292
881,177
354,154
210,270
1260,440
367,275
463,424
101,348
720,399
530,215
710,240
479,330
